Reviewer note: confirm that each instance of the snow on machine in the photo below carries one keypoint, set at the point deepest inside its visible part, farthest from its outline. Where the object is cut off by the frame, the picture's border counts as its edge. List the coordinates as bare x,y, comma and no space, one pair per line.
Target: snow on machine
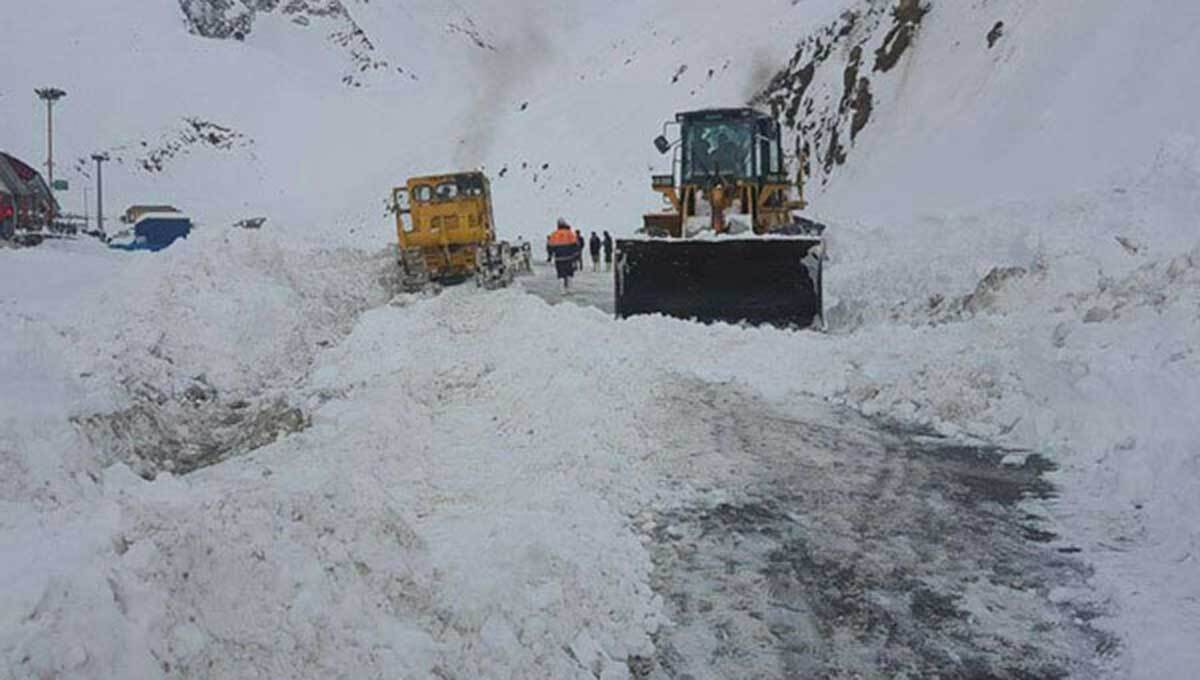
447,233
730,247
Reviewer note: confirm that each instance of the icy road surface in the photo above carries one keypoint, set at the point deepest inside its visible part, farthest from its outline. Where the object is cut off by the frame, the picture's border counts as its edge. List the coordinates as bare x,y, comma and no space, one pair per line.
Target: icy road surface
827,546
589,288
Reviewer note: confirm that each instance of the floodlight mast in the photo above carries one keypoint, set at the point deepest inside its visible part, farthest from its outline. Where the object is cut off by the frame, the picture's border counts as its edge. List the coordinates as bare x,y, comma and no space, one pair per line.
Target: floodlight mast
50,95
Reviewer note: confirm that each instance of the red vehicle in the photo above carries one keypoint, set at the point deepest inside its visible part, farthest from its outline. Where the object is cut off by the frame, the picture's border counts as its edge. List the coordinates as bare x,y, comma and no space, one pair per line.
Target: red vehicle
8,222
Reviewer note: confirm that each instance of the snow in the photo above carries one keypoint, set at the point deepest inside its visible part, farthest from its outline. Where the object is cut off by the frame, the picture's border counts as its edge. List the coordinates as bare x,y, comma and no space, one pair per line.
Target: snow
163,216
444,444
468,492
710,235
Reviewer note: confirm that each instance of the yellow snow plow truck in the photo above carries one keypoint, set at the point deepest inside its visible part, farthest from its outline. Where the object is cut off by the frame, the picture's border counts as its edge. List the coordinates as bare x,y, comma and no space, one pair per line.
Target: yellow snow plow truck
730,245
447,233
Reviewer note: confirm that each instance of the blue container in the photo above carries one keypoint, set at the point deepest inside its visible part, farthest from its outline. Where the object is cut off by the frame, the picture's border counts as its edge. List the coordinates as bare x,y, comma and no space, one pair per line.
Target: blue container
153,233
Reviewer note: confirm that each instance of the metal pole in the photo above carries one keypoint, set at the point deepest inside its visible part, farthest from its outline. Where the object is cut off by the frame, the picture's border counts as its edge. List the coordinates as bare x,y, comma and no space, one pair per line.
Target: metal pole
50,95
49,142
99,158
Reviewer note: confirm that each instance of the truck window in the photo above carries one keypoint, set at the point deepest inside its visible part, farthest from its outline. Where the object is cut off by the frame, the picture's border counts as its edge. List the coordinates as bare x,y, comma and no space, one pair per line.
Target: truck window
470,185
423,193
447,191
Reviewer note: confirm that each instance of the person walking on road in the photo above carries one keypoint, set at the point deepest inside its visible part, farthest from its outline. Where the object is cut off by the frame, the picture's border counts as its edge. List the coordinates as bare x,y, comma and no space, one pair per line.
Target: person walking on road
594,249
566,249
608,252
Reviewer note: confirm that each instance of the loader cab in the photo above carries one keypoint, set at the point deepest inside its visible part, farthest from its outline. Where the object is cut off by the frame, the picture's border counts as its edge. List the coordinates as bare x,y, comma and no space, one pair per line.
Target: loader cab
726,163
727,145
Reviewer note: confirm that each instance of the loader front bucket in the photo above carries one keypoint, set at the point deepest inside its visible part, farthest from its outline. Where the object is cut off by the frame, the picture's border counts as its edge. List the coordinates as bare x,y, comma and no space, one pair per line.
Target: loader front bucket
773,281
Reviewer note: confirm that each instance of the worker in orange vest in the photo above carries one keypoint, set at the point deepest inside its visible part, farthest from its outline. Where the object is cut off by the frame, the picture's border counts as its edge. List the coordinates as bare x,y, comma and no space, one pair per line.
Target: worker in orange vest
567,251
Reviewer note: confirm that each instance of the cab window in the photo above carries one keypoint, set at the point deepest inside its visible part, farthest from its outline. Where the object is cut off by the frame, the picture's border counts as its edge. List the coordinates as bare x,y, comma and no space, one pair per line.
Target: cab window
401,200
470,185
423,193
447,191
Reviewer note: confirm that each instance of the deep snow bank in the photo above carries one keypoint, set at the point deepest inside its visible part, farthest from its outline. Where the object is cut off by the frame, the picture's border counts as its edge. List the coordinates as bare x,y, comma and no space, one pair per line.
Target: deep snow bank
407,529
93,331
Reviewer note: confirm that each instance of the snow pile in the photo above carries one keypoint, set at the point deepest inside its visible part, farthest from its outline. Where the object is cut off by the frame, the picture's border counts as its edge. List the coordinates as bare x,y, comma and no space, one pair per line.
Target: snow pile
240,307
417,525
94,331
468,498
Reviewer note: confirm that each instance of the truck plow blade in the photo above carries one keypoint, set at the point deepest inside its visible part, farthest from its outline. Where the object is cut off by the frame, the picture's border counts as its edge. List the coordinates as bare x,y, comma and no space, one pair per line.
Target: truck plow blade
769,281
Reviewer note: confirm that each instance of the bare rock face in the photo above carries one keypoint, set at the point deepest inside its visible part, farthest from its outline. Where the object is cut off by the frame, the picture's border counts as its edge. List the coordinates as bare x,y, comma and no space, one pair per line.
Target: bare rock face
220,19
234,19
179,140
825,95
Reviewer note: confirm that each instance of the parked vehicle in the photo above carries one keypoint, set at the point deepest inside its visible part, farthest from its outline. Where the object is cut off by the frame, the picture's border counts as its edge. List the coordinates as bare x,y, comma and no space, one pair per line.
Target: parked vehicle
153,232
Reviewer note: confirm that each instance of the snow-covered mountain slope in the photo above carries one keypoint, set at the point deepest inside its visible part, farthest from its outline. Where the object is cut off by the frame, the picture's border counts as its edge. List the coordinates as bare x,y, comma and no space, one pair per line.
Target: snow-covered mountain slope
558,103
1013,257
1016,100
557,100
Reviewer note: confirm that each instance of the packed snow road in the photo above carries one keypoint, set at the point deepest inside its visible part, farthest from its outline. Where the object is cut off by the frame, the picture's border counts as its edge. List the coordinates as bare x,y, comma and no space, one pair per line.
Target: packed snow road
589,288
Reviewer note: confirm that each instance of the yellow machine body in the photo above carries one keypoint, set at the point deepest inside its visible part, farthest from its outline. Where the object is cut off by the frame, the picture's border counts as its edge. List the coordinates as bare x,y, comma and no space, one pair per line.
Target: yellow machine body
444,219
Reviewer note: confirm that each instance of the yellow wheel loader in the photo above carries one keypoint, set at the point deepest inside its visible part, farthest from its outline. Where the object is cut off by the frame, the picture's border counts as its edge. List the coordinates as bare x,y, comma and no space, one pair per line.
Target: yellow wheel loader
730,245
447,233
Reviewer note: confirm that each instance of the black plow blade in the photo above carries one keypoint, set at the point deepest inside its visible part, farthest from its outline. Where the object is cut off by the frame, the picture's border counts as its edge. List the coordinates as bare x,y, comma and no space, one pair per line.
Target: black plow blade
761,281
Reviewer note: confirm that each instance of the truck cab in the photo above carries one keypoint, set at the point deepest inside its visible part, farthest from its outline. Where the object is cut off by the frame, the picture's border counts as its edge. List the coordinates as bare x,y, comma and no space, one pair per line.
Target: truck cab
441,220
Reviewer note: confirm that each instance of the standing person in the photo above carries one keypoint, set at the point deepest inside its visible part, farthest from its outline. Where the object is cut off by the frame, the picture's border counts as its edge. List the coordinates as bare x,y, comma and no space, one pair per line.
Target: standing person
580,243
608,252
565,247
594,249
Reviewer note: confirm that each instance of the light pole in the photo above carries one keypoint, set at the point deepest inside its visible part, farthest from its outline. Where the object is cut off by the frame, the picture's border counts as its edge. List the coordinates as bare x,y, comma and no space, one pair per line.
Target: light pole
50,95
100,158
